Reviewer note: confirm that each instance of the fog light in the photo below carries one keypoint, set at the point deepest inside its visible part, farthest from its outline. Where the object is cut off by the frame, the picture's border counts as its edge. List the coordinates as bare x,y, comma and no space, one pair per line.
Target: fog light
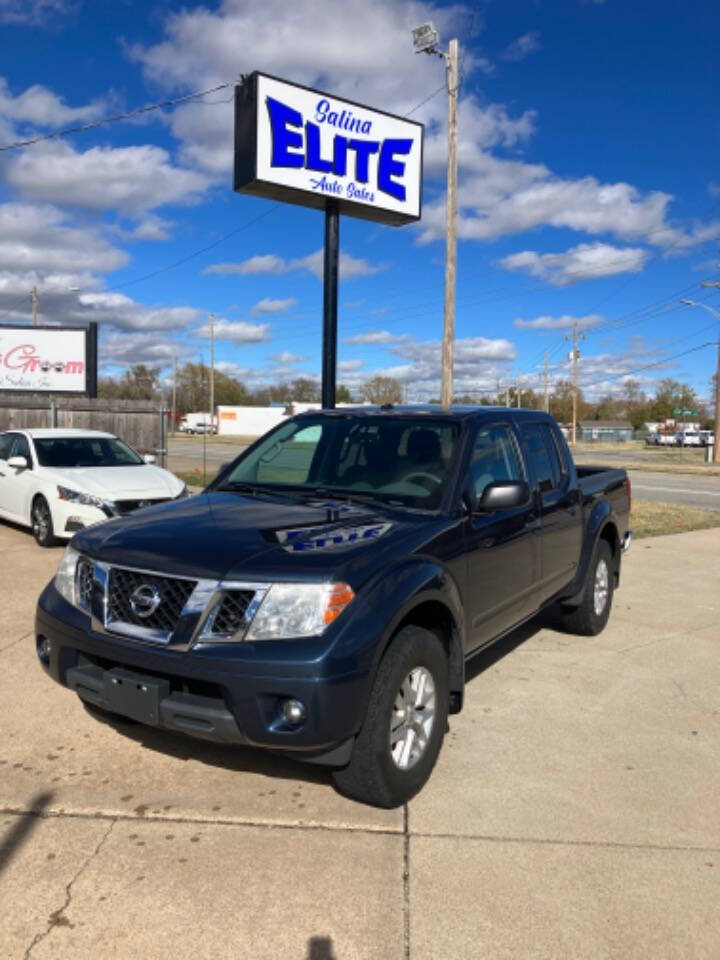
44,649
293,712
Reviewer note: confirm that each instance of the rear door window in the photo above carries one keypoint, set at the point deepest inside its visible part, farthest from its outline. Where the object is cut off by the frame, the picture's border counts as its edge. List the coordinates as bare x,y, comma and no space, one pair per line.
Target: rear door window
542,455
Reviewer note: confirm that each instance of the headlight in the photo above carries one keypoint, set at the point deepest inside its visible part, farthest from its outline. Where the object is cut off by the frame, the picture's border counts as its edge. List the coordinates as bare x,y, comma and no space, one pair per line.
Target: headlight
75,496
298,610
65,576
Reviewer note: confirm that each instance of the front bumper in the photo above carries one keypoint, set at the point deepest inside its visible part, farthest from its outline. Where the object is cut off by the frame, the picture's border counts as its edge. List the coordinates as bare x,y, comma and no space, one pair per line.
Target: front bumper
228,693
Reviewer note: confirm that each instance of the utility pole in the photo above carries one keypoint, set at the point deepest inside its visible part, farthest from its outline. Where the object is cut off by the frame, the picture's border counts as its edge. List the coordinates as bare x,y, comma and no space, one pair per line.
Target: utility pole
174,393
519,391
212,373
546,382
451,62
34,302
575,356
507,394
716,314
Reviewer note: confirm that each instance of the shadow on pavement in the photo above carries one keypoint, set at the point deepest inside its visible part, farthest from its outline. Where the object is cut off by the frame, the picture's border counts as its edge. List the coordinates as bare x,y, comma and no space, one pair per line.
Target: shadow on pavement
320,948
482,661
20,832
236,759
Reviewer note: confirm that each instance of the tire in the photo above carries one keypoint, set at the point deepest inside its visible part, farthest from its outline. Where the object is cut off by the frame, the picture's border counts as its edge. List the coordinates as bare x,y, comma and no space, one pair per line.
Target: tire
42,524
587,619
376,774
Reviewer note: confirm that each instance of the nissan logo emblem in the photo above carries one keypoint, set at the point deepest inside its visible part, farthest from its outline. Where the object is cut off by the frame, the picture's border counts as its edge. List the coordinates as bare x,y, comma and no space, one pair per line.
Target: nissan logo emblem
144,600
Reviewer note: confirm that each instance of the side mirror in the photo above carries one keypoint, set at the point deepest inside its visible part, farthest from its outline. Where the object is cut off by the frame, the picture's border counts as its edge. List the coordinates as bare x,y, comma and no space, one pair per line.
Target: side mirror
19,463
503,495
149,457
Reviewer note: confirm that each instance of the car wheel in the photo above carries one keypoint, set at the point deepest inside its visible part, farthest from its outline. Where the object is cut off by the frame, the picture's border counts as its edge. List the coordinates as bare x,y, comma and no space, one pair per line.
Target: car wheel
396,749
42,525
589,618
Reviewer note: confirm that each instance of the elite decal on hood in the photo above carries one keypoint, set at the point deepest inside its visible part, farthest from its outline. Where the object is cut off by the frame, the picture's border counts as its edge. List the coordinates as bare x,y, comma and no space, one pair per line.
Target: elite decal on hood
329,538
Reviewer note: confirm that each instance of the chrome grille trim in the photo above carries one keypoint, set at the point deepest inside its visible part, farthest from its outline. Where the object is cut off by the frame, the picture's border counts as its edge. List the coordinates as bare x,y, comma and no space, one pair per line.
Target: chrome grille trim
196,619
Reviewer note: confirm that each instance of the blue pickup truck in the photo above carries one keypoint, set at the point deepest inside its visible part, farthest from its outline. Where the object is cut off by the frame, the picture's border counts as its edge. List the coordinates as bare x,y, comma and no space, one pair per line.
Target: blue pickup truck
323,595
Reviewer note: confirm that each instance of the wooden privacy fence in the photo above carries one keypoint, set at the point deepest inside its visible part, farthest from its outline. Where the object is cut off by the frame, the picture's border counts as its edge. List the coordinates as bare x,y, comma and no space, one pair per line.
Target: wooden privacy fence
140,422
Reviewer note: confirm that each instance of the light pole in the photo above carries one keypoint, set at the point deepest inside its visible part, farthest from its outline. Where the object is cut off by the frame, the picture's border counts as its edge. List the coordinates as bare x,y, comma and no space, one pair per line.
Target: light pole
694,303
212,373
425,40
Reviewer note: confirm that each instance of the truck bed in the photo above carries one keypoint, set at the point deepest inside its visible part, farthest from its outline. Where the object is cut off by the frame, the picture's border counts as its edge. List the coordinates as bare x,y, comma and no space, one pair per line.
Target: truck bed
596,482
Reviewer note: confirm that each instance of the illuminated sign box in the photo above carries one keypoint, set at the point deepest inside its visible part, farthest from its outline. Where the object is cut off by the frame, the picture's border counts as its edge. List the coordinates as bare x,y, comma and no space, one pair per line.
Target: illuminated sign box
302,146
48,359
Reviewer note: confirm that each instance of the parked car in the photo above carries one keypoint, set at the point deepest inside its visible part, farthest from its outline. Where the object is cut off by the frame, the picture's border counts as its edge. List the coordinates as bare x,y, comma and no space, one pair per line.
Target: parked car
707,438
688,438
659,439
60,481
322,596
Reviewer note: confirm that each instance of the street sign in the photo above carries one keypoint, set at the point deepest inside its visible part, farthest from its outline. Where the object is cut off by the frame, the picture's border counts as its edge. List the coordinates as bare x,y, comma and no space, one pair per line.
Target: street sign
48,359
677,411
303,146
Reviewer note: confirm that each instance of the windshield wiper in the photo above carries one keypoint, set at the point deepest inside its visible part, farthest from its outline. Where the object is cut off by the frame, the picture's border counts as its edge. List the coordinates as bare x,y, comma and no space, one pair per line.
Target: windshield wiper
341,493
239,486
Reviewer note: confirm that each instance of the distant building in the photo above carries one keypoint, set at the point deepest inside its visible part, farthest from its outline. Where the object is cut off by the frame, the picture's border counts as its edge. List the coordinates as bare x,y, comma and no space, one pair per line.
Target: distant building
612,431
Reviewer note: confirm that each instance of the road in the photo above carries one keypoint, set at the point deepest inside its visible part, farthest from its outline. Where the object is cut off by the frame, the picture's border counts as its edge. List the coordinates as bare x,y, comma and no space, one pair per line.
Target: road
689,490
572,812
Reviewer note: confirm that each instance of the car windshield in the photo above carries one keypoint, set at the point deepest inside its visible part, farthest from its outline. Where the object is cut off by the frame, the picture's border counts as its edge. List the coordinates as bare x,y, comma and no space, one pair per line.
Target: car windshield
399,460
85,452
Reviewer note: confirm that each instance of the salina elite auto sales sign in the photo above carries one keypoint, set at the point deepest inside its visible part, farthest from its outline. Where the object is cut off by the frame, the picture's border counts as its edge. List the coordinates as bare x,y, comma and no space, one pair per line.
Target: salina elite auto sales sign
302,146
47,359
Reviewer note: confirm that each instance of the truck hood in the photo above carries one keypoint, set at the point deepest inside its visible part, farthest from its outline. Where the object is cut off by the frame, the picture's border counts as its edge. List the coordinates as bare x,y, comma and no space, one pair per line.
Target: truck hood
220,535
117,483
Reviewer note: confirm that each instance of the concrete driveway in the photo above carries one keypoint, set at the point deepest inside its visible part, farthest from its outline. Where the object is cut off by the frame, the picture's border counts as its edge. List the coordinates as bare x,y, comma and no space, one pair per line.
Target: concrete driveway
573,813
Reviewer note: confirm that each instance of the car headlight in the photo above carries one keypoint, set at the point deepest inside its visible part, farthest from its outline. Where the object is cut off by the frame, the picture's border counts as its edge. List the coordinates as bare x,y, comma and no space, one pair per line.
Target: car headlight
298,610
75,496
65,576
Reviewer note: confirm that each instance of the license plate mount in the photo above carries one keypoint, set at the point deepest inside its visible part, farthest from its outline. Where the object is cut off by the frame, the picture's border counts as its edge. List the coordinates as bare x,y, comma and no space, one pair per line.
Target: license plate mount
135,695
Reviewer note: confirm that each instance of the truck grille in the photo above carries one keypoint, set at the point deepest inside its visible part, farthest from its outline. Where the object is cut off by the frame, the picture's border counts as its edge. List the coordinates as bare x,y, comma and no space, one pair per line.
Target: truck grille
230,616
174,594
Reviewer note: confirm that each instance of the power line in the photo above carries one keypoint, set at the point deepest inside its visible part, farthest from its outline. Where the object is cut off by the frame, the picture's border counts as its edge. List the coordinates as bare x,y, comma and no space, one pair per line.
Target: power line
117,118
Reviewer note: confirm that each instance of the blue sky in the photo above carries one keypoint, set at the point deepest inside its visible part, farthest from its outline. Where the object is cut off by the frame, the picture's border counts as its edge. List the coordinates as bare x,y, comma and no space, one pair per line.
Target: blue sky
589,188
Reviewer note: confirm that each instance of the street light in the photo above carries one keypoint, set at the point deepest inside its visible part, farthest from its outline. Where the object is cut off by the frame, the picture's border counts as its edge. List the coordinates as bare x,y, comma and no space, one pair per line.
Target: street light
425,40
694,303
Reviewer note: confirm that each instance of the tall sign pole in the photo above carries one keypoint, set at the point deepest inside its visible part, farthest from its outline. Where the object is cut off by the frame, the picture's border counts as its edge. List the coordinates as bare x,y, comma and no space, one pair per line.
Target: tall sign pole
446,392
330,303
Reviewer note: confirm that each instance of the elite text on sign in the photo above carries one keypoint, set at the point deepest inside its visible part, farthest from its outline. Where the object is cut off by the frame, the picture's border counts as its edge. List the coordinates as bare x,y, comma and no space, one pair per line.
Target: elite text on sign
302,146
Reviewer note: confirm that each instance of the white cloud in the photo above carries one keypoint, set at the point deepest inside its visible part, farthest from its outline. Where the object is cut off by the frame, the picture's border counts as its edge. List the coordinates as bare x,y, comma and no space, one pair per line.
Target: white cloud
377,336
268,305
287,358
269,263
584,262
522,46
235,331
565,322
127,314
33,12
125,349
41,107
345,366
128,179
714,188
262,263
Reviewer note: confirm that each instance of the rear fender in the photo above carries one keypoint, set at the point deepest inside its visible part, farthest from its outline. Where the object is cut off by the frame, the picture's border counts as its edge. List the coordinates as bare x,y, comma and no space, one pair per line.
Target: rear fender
600,524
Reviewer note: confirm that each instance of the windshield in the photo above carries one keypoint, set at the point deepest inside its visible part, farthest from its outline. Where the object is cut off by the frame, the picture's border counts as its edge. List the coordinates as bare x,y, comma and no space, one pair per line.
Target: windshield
402,460
85,452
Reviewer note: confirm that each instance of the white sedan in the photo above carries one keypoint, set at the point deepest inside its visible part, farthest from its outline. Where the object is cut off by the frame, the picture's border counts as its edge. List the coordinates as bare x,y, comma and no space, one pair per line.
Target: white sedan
60,481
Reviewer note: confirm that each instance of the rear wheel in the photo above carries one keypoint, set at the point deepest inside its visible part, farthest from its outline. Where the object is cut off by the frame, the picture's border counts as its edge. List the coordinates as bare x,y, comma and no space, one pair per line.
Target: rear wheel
400,740
589,618
42,525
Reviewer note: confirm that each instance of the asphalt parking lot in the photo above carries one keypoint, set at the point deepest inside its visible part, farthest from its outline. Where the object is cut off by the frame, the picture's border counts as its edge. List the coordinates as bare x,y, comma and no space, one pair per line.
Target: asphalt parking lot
573,812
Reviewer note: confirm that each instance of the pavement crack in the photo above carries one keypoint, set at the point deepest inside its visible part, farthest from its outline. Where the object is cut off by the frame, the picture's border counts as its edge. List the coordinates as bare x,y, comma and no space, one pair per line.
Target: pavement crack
57,917
14,643
406,880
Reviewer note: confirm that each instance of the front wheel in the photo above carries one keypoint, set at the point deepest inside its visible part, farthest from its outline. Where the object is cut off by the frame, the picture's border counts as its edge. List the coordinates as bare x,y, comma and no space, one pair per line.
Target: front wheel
42,525
400,740
590,616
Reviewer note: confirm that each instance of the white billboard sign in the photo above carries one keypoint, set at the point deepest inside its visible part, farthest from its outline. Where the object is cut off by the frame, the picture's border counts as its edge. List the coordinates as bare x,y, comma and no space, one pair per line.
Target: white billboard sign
44,359
302,146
